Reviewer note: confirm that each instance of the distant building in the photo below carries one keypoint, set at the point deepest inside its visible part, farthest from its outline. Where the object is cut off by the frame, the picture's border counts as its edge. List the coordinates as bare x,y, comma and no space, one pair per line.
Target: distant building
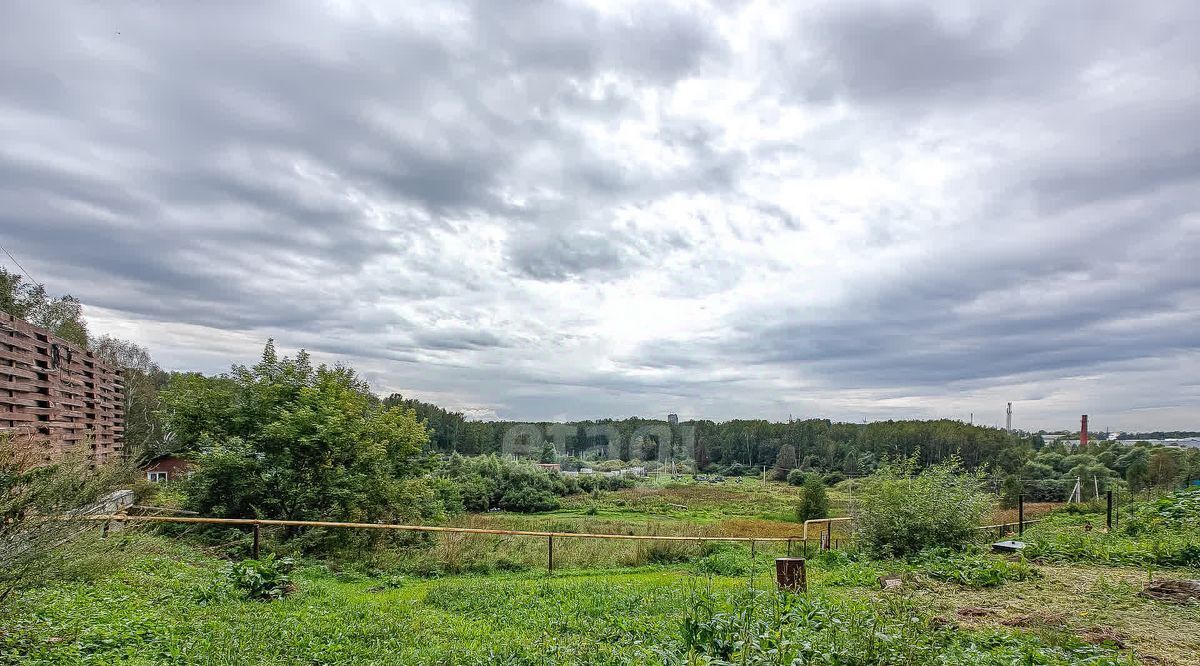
673,419
167,467
551,467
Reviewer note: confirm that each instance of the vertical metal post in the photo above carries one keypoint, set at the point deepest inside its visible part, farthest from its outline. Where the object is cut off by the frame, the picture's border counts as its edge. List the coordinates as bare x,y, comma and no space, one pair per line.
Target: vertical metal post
789,547
1108,499
752,562
1020,514
550,553
254,548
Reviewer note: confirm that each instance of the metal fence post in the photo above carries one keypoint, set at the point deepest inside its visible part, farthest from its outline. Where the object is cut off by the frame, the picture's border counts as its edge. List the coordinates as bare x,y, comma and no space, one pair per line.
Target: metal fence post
1021,514
550,553
1109,514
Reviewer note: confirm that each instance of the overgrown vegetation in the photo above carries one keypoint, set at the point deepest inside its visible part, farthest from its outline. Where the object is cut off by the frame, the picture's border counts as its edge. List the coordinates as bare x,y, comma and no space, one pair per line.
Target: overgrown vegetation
902,511
268,579
157,606
756,627
972,569
32,498
1164,532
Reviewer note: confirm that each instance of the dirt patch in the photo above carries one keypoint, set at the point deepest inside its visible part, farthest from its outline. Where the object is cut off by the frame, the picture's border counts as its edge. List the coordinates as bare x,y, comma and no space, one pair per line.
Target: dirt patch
1175,591
974,611
1101,635
1038,619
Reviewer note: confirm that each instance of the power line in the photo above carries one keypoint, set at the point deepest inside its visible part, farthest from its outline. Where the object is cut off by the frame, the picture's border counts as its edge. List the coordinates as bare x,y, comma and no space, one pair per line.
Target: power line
14,260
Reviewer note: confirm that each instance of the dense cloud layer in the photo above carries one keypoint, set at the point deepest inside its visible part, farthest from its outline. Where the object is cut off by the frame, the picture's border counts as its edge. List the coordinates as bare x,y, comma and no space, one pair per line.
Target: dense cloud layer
558,210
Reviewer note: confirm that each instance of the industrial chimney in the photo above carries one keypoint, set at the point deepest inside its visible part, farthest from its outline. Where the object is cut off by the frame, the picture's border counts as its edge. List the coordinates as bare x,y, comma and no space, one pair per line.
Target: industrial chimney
1008,419
1083,438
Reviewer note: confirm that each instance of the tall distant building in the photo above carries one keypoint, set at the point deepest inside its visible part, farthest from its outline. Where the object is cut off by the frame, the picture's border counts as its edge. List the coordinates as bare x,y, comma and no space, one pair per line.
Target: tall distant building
673,419
1008,419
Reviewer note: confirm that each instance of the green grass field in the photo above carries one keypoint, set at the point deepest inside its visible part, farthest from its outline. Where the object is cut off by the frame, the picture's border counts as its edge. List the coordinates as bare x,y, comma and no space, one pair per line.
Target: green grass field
155,596
155,601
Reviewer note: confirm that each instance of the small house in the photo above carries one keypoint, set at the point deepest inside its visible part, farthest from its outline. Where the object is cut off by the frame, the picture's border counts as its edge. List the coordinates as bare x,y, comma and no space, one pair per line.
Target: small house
167,467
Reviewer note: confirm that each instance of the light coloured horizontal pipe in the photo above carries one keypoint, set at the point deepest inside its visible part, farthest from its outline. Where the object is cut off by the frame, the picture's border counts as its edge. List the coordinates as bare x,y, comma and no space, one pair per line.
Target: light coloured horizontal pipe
249,522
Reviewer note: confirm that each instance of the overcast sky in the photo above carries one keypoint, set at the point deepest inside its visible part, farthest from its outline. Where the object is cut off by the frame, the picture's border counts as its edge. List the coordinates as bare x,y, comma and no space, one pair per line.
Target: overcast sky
553,211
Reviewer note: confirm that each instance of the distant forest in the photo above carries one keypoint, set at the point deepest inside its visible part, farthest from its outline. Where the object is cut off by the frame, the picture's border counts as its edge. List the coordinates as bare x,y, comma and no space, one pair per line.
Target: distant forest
850,448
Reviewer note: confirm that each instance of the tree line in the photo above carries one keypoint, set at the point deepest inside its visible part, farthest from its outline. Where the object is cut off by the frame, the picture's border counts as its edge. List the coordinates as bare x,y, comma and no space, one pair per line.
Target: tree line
289,411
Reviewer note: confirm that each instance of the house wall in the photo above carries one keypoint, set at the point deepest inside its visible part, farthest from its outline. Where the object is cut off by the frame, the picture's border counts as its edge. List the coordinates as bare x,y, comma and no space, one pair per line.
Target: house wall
176,468
56,396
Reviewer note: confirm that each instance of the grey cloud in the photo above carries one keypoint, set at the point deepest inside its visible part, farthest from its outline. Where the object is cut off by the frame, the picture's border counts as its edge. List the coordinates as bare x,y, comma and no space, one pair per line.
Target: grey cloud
412,192
928,56
562,256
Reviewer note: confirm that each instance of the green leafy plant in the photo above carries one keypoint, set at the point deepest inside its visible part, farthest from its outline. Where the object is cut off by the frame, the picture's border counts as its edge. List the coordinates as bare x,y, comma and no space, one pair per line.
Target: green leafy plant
972,569
268,579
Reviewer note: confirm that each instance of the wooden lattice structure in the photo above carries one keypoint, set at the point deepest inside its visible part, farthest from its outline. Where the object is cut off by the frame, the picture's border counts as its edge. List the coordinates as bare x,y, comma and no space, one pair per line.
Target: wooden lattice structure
56,396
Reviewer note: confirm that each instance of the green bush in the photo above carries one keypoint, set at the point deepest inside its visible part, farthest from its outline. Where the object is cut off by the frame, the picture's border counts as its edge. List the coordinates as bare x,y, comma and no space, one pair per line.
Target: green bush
267,579
724,559
814,502
480,483
901,513
795,477
526,499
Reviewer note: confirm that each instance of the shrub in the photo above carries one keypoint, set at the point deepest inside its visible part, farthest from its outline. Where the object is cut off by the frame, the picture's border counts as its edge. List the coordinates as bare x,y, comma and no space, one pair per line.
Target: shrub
795,477
724,559
814,503
267,579
484,482
527,499
900,513
834,478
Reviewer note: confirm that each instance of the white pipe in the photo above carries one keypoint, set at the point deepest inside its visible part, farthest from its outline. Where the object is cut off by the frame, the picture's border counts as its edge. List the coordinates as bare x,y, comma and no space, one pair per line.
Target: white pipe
819,520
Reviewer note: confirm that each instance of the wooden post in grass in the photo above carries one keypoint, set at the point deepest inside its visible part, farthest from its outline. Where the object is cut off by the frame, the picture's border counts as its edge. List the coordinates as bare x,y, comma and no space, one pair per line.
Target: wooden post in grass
789,548
1020,514
550,553
790,574
254,548
1109,517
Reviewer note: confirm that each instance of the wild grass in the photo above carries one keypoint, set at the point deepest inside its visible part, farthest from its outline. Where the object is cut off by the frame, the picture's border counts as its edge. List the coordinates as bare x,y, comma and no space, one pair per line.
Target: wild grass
155,610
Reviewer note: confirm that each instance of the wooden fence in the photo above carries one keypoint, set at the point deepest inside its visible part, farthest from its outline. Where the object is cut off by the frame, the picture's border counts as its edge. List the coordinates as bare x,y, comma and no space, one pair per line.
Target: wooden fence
55,395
